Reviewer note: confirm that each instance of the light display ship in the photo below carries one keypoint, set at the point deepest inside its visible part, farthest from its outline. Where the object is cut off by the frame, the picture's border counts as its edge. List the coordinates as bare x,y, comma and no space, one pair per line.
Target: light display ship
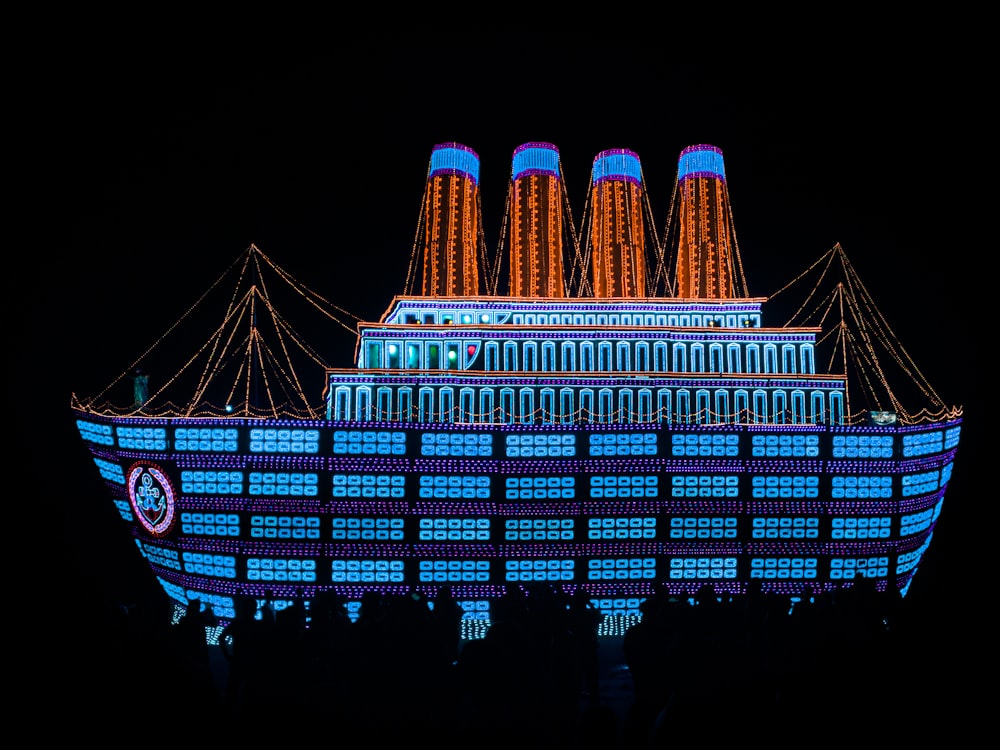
622,420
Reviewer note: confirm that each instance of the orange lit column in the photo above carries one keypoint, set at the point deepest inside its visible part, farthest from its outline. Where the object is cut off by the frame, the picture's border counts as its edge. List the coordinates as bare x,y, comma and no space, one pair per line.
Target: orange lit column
536,265
452,209
617,236
704,260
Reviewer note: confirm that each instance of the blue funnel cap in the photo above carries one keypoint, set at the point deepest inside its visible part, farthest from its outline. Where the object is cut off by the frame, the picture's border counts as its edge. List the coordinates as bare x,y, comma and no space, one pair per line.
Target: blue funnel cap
701,161
617,164
536,159
456,159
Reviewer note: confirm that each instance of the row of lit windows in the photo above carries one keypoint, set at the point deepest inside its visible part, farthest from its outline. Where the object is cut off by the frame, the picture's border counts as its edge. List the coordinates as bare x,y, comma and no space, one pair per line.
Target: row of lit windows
847,568
620,481
369,480
917,522
454,481
369,443
844,446
907,561
540,493
286,521
782,446
622,438
545,487
540,451
213,566
456,444
622,450
783,480
706,451
919,484
456,438
745,316
454,571
838,493
367,571
368,529
539,530
480,444
215,433
587,356
785,528
382,437
455,493
702,568
357,490
454,529
288,490
703,528
145,438
95,433
623,492
621,528
376,449
200,482
282,576
273,563
783,492
530,571
858,562
496,404
348,528
922,444
638,568
951,437
704,485
284,533
210,524
284,440
783,568
369,485
110,471
162,557
446,449
285,527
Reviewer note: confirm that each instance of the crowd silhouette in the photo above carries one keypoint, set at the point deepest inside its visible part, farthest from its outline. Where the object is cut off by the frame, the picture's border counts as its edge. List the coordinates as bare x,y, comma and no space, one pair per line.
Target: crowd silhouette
400,670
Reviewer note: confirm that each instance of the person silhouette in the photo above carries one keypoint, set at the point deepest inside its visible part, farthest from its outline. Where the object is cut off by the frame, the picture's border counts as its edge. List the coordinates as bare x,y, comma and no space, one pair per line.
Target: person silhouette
242,643
190,641
584,622
446,625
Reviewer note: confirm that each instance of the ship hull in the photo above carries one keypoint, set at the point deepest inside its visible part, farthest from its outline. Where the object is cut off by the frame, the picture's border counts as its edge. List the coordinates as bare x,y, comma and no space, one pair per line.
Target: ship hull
228,508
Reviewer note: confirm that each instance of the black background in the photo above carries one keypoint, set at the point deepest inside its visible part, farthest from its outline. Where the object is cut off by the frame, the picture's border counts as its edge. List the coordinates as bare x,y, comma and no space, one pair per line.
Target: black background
156,166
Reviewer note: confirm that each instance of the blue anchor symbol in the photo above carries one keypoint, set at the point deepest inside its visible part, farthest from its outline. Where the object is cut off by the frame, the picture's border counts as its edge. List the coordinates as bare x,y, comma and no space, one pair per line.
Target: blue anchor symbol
150,497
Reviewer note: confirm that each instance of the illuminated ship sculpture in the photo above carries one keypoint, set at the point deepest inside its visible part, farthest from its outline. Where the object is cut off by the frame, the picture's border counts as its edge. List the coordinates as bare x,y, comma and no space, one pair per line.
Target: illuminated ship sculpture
623,420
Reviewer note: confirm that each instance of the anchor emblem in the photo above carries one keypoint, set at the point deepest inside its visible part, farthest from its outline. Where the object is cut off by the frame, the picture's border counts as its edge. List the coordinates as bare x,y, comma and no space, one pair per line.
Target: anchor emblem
152,498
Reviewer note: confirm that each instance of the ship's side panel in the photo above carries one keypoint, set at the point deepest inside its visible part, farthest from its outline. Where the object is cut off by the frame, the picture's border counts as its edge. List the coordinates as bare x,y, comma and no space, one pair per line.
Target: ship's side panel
223,509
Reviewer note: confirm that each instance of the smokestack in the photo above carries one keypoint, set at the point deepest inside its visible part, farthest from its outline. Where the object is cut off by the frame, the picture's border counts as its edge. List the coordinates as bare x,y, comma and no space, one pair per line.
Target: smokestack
704,258
451,233
617,236
536,264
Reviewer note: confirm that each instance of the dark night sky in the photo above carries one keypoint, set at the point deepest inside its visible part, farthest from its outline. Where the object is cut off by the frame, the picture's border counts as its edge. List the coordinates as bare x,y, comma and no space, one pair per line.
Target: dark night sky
159,167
